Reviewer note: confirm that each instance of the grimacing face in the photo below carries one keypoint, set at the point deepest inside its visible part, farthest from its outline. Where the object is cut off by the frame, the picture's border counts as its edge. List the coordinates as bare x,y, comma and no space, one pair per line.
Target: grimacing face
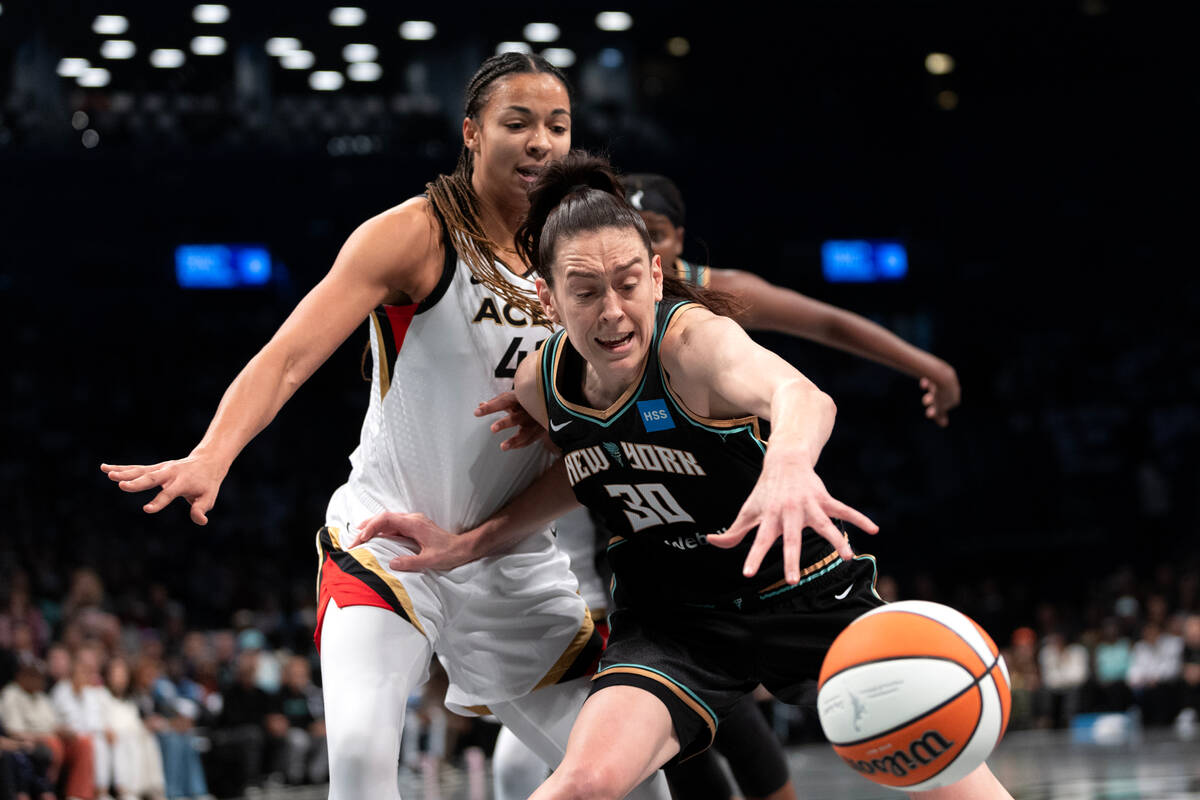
606,285
525,124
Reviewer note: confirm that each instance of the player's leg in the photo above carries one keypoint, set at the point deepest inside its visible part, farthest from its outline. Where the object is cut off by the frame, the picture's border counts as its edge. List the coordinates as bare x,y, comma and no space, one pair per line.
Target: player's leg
755,756
621,737
979,785
371,660
699,778
517,771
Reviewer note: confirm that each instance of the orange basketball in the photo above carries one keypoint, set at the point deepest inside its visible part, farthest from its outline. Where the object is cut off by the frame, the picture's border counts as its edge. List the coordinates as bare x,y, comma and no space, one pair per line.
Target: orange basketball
914,695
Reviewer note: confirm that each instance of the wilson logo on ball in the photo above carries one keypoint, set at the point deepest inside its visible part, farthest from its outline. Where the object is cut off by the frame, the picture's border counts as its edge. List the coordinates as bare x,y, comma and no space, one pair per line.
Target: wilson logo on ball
920,753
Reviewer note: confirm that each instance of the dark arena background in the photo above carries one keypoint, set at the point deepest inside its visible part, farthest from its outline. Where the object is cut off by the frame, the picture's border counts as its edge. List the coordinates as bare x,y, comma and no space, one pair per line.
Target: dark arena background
1022,155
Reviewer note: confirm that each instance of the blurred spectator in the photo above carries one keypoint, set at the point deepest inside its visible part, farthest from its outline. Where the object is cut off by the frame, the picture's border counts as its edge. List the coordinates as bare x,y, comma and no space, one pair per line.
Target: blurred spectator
248,732
183,771
1187,722
19,611
137,760
24,769
58,664
28,714
1026,682
1154,674
305,758
82,705
1064,669
1112,657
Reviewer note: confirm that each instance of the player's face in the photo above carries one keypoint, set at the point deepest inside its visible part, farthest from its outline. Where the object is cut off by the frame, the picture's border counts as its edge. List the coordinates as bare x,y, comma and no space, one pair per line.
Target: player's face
666,239
525,124
605,288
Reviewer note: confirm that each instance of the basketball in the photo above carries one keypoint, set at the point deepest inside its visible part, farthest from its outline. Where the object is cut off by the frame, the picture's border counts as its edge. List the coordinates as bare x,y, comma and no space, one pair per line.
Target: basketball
913,695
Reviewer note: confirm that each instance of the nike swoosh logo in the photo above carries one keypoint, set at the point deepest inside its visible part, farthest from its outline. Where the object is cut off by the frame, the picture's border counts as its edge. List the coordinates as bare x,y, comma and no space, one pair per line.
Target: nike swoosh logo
842,596
560,426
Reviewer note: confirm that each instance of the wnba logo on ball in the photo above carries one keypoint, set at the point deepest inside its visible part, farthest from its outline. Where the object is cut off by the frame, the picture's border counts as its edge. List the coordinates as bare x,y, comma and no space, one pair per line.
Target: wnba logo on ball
920,753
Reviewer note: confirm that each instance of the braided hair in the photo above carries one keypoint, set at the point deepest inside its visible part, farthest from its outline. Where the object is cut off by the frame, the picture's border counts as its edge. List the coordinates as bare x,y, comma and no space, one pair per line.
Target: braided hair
454,197
582,193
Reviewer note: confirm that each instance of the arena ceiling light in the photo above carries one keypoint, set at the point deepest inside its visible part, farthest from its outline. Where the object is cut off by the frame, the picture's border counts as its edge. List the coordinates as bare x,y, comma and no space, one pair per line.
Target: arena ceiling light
208,45
94,77
614,21
364,71
72,67
298,59
110,24
210,14
678,46
541,32
561,57
417,30
118,49
326,80
167,58
347,16
939,64
360,52
513,47
280,46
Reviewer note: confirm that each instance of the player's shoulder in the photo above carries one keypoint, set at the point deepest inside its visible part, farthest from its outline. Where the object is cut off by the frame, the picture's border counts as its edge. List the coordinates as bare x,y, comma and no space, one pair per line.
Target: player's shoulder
401,246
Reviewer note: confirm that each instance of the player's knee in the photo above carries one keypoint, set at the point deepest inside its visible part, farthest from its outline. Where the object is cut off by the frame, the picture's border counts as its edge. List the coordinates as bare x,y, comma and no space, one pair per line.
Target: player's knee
358,753
592,780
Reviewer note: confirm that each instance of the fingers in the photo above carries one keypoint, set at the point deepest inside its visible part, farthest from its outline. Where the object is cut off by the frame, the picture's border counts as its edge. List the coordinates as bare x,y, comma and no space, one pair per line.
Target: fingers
793,529
407,563
199,513
160,501
141,483
855,517
526,436
501,402
823,525
768,532
734,534
510,421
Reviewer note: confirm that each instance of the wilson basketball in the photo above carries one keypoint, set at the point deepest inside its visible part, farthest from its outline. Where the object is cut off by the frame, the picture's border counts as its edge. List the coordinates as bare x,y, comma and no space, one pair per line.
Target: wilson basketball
914,695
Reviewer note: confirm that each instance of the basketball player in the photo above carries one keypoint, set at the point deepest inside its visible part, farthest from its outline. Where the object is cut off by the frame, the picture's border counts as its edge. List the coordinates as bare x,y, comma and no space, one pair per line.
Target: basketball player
754,752
441,286
661,407
774,308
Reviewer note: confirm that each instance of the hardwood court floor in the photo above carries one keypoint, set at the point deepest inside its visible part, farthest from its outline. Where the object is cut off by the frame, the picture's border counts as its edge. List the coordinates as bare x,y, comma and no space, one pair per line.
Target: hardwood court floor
1034,765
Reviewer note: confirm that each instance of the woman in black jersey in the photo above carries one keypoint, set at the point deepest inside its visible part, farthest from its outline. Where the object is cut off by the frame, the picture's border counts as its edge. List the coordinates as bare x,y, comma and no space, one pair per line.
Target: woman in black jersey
661,410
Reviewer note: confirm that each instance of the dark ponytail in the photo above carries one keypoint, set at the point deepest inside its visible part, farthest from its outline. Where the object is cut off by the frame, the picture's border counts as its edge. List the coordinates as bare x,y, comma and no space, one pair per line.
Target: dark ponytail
582,193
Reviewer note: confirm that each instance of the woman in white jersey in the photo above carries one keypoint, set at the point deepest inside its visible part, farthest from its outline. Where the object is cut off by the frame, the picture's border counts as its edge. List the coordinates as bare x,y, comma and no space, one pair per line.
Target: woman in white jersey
439,281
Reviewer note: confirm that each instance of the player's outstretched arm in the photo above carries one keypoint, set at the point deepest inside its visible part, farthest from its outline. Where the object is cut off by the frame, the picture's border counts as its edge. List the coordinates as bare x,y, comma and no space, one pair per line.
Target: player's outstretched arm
721,372
387,256
544,500
774,308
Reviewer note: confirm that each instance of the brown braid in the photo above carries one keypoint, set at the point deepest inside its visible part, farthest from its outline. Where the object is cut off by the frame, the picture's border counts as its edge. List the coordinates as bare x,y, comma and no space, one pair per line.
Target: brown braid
456,203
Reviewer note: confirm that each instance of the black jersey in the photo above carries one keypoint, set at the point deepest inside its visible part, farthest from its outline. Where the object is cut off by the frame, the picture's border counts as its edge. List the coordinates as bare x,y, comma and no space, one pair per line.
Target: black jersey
662,479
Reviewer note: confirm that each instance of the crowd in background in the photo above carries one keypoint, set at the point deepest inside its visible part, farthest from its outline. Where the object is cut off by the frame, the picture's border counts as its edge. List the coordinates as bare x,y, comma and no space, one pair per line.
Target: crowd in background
97,703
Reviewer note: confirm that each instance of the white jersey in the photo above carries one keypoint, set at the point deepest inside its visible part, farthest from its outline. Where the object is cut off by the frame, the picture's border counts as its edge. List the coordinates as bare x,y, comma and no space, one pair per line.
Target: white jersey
422,449
503,625
576,536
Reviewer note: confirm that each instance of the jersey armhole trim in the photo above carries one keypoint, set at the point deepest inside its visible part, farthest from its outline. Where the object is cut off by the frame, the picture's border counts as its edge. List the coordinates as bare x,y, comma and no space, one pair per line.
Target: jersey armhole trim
717,425
449,265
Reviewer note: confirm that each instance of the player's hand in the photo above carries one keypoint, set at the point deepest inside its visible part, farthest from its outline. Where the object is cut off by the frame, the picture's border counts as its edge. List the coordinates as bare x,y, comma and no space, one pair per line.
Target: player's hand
942,393
528,429
197,479
436,548
788,498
